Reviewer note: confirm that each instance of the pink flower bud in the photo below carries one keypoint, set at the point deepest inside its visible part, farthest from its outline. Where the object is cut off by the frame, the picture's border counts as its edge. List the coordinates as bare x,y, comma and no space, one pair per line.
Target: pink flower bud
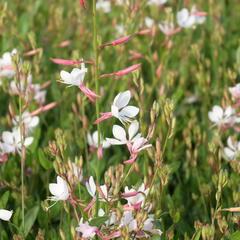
117,42
123,71
44,108
32,52
68,62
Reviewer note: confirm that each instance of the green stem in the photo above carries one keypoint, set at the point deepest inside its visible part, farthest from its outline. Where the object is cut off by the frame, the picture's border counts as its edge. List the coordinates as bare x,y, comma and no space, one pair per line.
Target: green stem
22,161
95,49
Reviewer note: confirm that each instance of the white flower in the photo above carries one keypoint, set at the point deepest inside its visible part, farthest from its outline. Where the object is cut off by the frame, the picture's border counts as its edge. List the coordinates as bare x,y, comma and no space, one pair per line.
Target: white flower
233,149
148,226
139,197
120,109
105,5
93,141
149,22
5,214
29,122
166,27
221,117
59,190
128,221
6,68
86,230
158,2
75,78
186,19
12,141
120,134
235,91
91,188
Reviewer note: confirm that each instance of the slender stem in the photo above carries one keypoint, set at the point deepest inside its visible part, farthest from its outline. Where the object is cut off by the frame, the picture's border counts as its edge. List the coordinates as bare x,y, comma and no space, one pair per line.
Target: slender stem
23,155
95,49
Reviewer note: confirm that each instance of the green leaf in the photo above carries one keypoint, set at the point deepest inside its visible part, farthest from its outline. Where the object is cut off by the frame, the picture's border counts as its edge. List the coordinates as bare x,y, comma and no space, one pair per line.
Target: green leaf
235,236
99,221
30,219
4,199
45,163
196,236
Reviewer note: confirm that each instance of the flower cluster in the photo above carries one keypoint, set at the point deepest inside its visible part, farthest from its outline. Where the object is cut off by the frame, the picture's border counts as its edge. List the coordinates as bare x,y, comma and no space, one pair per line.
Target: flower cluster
226,118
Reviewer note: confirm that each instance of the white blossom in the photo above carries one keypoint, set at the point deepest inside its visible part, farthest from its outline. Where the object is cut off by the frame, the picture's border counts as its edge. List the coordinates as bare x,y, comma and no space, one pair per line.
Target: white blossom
86,230
29,122
12,141
235,91
91,188
187,19
59,190
166,27
76,77
121,136
223,117
93,140
6,67
233,149
5,215
120,109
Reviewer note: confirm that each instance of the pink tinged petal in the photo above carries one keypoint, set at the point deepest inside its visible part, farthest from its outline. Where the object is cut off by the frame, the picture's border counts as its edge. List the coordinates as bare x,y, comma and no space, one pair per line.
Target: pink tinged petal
100,152
119,133
87,230
103,117
133,129
68,62
122,99
129,194
5,215
117,42
7,137
91,95
129,111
